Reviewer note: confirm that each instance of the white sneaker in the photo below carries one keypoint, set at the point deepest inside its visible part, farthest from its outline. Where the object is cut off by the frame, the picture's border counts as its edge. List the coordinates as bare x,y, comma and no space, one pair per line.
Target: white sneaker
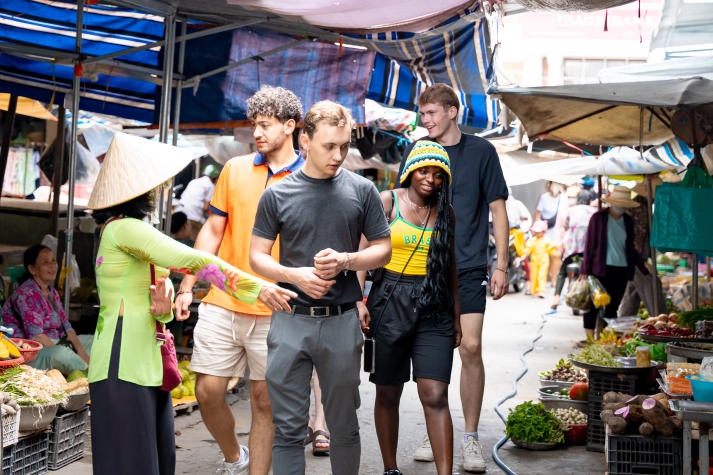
472,454
424,452
235,468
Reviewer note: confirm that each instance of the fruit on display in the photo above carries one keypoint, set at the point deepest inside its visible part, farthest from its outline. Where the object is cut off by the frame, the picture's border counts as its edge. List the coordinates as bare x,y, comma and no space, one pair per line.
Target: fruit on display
188,381
8,350
579,392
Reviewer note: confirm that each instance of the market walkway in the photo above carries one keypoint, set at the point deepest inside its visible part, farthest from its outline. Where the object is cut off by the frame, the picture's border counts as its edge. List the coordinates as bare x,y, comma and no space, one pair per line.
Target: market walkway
510,326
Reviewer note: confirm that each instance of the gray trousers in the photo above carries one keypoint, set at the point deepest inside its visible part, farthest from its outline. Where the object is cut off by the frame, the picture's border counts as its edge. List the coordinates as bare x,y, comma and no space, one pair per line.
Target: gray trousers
641,290
332,345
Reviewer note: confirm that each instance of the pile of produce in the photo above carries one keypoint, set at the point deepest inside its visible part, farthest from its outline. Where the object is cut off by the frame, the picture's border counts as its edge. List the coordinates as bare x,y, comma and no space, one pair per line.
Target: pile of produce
532,422
657,350
641,414
75,383
570,416
29,386
8,350
596,355
564,371
188,381
689,318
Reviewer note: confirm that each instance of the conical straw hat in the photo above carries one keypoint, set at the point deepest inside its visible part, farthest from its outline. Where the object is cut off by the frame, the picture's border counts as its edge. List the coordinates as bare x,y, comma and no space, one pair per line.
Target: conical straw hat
133,166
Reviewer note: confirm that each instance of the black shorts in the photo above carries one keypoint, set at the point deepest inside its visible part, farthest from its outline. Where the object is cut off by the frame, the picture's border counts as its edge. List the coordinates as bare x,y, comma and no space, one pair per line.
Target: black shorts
403,339
472,288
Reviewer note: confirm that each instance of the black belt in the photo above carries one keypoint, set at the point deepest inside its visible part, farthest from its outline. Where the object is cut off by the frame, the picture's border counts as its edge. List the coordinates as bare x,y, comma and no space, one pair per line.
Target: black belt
323,311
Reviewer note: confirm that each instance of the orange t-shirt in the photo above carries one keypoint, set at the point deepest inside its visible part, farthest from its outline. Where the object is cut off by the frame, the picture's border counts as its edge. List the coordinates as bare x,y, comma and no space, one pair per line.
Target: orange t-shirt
236,197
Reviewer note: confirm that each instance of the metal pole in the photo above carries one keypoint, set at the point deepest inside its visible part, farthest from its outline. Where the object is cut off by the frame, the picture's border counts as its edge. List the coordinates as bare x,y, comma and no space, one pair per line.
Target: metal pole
166,86
652,249
8,125
58,169
76,79
176,121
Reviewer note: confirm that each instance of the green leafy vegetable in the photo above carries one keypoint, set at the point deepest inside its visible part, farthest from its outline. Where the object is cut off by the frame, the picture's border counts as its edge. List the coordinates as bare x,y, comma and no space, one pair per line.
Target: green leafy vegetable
596,355
689,318
532,422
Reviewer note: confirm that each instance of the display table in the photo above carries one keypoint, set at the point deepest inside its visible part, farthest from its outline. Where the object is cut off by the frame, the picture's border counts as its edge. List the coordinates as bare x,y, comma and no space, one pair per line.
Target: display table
701,412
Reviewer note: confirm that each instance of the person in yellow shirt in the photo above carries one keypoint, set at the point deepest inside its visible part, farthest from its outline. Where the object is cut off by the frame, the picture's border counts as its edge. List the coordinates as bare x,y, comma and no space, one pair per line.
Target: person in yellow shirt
539,248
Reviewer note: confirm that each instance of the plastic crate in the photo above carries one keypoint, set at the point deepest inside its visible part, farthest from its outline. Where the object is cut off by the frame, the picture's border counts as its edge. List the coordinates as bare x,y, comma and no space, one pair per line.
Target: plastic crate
66,440
629,454
601,383
27,457
10,429
596,435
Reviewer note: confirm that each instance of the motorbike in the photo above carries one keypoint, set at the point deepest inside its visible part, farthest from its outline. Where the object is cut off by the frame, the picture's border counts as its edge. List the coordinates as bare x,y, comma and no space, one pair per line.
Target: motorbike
516,271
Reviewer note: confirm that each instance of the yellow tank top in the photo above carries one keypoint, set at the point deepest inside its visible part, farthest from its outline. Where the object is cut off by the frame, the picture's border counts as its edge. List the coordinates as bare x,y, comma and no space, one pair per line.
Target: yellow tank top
404,237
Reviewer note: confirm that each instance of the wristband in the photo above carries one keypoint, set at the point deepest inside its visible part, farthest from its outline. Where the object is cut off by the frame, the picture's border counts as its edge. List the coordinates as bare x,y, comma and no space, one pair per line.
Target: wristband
348,265
501,270
183,292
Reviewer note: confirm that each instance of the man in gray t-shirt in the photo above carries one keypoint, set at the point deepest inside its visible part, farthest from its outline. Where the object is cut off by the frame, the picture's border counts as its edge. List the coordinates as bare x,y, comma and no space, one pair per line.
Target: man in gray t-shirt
320,214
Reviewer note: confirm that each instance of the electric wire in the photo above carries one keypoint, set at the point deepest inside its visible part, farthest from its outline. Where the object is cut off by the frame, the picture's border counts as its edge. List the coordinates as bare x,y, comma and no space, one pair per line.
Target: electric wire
524,371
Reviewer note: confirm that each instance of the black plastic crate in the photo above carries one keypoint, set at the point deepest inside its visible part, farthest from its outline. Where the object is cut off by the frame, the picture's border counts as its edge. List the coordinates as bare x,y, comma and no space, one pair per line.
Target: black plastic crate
636,454
601,383
27,457
596,435
66,440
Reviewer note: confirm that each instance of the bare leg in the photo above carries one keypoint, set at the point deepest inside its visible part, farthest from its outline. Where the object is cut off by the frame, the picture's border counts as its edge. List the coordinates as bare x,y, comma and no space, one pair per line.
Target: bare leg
386,421
434,399
320,422
262,431
472,376
217,415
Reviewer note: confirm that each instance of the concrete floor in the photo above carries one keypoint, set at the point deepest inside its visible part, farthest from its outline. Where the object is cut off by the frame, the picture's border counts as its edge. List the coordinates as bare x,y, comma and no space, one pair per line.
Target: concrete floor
511,325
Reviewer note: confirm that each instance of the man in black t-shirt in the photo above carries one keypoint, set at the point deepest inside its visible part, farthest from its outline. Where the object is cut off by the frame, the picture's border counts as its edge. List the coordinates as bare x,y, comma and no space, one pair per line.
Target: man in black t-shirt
478,187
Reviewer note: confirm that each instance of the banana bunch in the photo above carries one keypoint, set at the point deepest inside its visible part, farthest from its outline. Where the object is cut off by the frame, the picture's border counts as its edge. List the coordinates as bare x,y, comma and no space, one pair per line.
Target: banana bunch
600,298
8,350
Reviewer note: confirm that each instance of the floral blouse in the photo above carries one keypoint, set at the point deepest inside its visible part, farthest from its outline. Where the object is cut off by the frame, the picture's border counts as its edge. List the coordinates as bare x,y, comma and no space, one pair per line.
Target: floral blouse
38,315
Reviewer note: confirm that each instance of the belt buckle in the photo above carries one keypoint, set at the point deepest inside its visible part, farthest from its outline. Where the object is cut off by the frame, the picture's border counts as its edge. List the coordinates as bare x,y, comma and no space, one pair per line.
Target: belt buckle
319,311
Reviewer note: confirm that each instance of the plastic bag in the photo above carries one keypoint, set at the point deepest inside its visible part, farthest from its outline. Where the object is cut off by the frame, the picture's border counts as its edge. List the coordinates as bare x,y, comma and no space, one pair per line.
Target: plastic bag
600,297
578,296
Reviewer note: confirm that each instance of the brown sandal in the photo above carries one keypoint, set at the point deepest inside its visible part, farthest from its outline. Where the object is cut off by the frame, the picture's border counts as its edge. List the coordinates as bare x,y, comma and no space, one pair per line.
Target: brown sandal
322,438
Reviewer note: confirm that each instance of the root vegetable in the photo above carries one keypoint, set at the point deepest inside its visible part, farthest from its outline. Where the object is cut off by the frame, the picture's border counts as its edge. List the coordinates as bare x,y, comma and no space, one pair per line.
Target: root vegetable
657,417
617,424
646,429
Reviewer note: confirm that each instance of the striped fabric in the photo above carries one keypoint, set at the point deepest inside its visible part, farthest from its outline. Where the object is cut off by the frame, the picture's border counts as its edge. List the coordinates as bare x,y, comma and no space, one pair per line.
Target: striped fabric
455,54
50,27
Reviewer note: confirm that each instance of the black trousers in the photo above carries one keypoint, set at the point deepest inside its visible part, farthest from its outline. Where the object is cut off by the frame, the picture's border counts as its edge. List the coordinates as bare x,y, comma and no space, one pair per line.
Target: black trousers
132,425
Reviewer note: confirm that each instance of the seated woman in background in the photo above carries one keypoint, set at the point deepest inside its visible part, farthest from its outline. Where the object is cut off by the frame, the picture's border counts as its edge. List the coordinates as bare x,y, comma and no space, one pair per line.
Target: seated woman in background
34,311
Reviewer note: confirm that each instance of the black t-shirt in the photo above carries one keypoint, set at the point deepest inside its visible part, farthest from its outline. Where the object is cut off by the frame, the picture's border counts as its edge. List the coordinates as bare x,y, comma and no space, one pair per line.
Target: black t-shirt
477,181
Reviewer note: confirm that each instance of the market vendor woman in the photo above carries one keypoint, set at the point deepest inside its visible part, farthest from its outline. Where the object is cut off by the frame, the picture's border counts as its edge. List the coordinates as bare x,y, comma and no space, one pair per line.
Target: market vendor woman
131,417
34,311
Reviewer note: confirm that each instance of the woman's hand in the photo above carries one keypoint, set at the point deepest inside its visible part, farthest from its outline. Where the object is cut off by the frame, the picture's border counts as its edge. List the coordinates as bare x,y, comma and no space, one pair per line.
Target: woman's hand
457,331
364,317
275,297
161,301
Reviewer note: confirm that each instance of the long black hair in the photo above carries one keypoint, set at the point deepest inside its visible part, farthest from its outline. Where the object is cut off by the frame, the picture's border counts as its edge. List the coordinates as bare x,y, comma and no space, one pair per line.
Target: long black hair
435,295
138,208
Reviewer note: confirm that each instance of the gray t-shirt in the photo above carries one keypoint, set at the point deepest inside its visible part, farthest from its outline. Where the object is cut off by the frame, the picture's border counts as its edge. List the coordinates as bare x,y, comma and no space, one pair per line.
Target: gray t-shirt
312,214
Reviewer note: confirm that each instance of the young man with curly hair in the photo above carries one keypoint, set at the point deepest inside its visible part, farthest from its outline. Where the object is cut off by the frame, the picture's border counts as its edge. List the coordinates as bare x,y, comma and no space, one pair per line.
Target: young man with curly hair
230,334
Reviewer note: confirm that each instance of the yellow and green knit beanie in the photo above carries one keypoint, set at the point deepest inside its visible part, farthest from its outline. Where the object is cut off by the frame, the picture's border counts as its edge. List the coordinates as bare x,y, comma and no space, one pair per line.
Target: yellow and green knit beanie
426,154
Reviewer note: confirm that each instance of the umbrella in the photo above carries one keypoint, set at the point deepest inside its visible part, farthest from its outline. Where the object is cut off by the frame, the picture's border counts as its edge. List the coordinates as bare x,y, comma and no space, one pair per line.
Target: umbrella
625,113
